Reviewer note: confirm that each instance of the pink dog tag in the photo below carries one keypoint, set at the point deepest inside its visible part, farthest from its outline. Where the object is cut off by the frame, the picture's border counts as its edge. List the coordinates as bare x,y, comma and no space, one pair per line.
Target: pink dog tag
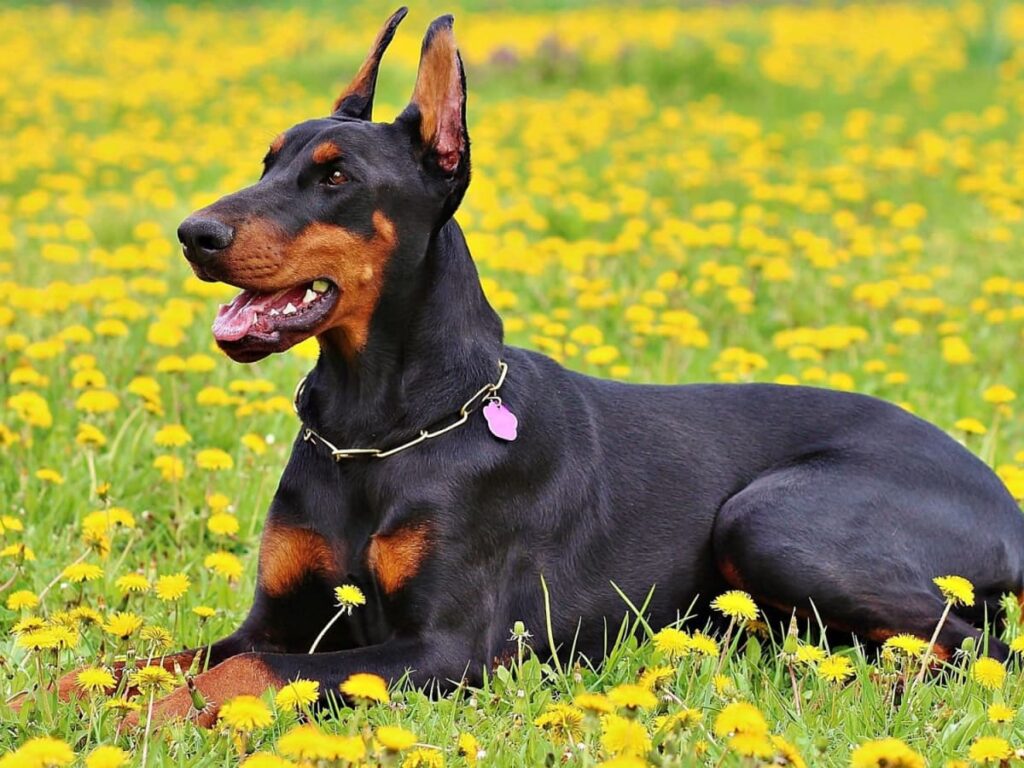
501,421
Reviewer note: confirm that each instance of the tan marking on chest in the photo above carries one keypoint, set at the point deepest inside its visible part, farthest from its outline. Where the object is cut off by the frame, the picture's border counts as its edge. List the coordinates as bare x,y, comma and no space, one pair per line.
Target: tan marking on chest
288,555
396,557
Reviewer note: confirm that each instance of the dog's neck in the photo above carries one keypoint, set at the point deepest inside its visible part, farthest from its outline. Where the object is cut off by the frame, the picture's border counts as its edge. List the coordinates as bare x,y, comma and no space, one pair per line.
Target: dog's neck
432,344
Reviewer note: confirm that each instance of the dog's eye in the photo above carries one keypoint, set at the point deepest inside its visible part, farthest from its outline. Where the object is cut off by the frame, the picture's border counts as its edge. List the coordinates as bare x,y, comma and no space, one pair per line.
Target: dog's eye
334,178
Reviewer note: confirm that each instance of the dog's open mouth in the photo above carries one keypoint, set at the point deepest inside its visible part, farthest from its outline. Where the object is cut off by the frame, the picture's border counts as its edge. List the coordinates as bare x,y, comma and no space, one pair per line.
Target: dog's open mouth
255,324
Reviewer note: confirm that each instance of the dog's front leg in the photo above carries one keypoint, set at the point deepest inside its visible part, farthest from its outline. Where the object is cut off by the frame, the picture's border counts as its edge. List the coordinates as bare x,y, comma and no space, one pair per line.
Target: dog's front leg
254,673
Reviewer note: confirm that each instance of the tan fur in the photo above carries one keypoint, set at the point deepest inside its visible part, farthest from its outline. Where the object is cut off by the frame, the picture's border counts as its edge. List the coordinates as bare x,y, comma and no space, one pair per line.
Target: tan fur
325,152
261,258
288,555
438,75
396,557
361,83
277,143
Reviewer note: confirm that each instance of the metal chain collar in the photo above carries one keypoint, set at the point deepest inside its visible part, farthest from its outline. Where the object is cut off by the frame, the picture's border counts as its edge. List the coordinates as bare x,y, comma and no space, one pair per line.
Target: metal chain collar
487,391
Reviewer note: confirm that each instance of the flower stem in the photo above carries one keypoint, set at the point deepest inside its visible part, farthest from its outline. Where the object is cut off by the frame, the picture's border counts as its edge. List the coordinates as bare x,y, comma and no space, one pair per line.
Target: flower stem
338,615
931,643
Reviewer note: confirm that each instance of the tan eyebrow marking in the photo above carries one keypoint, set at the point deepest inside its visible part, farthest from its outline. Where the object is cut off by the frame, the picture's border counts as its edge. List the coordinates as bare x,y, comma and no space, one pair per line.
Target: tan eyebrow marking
325,152
277,143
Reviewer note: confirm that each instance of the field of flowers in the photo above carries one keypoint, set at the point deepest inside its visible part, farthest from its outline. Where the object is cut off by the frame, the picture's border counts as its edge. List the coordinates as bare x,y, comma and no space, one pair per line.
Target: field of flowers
828,196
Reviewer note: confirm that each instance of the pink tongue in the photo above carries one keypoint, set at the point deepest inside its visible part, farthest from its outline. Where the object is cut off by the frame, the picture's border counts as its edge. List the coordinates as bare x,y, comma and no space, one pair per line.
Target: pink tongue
236,319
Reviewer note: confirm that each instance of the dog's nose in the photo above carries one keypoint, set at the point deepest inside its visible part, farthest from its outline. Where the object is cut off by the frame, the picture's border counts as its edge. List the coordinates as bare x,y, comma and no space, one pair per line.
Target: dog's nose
204,237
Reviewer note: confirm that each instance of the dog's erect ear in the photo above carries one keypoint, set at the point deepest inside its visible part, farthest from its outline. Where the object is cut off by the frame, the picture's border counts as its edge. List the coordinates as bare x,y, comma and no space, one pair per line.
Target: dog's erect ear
438,104
357,99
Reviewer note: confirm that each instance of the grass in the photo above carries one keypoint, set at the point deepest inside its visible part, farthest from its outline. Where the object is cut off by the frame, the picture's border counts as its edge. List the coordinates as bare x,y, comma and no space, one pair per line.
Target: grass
827,195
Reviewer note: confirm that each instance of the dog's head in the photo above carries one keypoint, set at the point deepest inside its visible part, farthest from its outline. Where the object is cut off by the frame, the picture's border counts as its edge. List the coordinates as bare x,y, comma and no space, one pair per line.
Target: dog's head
344,204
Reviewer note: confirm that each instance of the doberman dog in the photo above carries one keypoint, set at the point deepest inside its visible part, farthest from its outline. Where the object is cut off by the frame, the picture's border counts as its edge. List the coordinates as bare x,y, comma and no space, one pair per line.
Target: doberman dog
445,473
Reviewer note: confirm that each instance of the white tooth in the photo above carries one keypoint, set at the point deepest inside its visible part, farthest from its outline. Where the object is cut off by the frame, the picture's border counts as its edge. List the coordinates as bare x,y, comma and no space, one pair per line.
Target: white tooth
320,286
310,295
274,313
290,309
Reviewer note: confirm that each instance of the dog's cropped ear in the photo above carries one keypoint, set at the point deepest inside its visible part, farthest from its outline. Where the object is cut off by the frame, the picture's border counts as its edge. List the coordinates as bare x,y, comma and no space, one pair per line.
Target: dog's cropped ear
438,106
357,99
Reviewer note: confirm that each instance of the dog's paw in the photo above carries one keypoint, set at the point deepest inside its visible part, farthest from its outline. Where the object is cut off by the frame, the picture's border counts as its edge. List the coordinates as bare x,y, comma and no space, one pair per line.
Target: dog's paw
200,701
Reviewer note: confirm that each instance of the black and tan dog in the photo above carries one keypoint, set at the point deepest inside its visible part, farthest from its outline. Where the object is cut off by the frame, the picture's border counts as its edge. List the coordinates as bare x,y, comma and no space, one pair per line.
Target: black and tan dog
811,500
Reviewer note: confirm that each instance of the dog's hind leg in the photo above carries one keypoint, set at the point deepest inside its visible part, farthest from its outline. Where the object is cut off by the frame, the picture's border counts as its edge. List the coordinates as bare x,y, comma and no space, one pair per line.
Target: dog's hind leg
835,541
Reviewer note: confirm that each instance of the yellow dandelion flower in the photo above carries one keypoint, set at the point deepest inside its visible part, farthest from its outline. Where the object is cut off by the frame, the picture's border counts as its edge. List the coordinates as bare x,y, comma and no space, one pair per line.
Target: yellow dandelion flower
84,614
624,761
988,673
222,524
786,753
366,688
907,645
630,696
122,704
885,753
172,436
27,624
255,443
624,736
809,654
106,757
990,749
751,745
298,695
204,611
349,596
89,436
424,758
394,738
469,748
703,645
672,642
97,401
654,678
44,752
1017,644
682,719
22,598
1000,713
214,460
173,587
151,679
736,604
171,467
157,637
999,394
971,426
94,679
132,583
38,640
48,475
955,589
596,703
218,502
562,721
122,624
835,669
224,564
80,572
740,717
245,714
